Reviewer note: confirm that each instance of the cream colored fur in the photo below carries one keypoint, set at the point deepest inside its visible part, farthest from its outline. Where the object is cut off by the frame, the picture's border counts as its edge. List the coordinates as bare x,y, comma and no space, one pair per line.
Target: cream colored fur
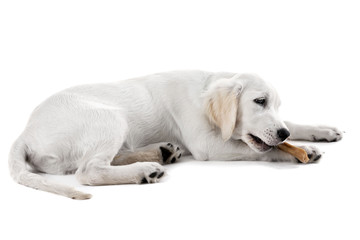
211,116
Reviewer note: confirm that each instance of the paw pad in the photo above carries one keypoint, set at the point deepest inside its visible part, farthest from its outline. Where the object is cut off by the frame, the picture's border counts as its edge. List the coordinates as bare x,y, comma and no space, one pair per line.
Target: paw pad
313,153
170,153
152,177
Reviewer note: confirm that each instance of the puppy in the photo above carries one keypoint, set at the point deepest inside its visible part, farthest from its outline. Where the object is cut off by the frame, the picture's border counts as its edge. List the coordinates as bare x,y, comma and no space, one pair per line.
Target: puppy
124,132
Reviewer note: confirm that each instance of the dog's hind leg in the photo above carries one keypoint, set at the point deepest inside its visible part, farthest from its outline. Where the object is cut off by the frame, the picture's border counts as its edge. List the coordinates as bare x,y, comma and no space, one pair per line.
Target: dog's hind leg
162,153
98,171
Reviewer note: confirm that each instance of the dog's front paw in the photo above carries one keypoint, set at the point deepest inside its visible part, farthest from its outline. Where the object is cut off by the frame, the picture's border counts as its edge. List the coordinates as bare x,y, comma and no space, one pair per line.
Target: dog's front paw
327,134
314,153
170,153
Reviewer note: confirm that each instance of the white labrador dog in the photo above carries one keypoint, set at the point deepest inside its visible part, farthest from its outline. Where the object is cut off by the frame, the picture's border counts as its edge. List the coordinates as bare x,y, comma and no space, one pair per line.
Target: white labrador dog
123,132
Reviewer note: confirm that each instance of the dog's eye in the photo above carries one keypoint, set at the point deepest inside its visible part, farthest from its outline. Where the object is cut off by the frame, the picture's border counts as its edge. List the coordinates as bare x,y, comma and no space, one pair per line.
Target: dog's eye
260,101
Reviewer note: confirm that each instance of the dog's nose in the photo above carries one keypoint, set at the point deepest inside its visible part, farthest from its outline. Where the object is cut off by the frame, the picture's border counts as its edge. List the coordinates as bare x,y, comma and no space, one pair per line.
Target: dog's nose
283,134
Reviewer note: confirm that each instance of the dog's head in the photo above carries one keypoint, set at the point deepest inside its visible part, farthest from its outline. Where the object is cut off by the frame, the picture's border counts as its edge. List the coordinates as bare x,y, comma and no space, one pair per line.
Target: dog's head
244,107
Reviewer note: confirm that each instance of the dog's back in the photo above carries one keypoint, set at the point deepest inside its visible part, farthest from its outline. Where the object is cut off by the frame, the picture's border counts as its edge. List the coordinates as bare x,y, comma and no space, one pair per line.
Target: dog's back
76,125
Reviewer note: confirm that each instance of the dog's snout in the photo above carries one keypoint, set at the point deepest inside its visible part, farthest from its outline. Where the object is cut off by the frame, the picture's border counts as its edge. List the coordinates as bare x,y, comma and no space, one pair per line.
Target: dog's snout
283,134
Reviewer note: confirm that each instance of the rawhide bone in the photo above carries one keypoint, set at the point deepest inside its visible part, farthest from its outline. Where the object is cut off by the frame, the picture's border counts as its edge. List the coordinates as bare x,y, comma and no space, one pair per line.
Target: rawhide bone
297,152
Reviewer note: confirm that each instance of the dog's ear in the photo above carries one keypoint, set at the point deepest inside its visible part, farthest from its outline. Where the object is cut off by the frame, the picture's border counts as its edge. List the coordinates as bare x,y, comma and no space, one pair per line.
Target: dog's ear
222,103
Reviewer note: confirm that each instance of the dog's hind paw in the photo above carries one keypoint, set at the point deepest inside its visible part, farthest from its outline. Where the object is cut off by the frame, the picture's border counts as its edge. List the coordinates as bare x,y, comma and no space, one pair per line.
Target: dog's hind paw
170,153
152,172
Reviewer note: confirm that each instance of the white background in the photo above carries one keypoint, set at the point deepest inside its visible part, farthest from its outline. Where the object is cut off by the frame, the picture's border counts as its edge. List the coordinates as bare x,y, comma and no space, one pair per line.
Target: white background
309,50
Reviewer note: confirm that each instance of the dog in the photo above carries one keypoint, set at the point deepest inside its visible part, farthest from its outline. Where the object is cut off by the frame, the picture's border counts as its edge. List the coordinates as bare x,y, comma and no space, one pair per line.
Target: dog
124,132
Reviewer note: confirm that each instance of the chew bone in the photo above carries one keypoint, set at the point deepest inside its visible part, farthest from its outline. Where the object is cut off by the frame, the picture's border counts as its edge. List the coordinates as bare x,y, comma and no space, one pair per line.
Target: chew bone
299,153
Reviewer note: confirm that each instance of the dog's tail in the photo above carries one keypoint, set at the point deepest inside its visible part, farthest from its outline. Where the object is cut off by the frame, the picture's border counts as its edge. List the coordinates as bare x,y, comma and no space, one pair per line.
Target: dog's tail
21,174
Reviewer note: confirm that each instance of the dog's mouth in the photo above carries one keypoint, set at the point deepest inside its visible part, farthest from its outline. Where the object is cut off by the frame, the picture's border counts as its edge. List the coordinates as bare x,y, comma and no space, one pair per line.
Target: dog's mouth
259,144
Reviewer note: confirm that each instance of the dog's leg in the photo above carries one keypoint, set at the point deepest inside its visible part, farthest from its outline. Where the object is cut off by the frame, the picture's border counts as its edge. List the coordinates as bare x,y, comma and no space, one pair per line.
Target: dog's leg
238,150
163,153
314,133
98,171
276,155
